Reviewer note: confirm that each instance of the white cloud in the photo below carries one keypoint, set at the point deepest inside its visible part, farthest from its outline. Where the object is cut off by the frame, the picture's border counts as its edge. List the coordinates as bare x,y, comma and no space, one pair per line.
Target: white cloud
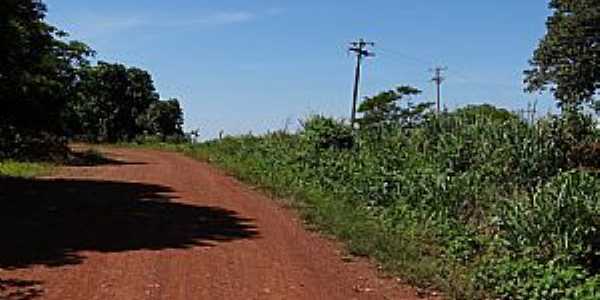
116,24
228,18
98,25
216,19
94,25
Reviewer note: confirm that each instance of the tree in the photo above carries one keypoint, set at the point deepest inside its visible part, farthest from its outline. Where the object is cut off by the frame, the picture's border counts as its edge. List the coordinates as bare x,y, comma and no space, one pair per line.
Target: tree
48,89
384,108
164,118
472,113
567,60
113,99
37,74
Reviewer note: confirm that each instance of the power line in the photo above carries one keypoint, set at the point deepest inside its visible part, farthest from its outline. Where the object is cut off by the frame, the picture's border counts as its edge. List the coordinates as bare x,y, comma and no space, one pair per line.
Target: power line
438,79
360,48
404,56
460,74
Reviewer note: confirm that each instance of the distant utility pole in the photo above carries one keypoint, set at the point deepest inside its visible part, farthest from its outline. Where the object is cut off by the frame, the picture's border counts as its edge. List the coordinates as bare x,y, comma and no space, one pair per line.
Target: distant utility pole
438,79
360,48
530,113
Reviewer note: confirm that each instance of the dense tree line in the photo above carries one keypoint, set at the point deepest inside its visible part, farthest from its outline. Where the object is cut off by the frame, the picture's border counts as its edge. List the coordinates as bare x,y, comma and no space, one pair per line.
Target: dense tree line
50,91
118,103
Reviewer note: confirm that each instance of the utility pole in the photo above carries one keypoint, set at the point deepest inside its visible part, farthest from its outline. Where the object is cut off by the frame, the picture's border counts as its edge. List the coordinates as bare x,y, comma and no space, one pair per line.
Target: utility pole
438,79
360,48
530,113
533,111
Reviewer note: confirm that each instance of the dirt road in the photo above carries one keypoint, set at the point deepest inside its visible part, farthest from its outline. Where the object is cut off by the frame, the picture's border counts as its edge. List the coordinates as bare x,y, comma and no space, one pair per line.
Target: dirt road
154,225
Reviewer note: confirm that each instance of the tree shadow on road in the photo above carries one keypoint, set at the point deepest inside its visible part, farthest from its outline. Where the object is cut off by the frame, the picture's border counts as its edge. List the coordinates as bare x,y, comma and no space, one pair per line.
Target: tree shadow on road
50,222
94,158
20,289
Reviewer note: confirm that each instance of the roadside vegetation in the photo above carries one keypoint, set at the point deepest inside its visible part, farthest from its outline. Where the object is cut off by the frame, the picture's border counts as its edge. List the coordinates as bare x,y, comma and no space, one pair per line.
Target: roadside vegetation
23,169
476,202
51,93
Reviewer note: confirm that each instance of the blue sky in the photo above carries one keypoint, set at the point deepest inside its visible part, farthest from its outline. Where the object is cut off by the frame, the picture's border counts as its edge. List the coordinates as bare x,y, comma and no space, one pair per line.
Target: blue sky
243,66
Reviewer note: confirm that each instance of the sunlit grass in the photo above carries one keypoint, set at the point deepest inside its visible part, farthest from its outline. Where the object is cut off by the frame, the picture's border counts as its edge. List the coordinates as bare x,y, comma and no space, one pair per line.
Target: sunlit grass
457,204
24,169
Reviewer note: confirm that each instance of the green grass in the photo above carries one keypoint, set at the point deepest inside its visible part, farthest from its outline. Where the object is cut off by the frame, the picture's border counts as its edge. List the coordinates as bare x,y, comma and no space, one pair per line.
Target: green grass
459,203
363,234
24,169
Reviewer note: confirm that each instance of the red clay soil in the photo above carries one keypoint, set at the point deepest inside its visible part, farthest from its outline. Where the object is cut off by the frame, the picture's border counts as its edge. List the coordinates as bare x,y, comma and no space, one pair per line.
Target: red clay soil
156,225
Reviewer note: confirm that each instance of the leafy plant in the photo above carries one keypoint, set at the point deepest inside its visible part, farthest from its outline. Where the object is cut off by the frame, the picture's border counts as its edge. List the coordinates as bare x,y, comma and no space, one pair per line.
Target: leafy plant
561,220
439,201
526,279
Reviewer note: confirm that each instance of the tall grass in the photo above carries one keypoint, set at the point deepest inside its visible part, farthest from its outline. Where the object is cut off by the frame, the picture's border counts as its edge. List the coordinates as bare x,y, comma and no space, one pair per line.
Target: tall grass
458,202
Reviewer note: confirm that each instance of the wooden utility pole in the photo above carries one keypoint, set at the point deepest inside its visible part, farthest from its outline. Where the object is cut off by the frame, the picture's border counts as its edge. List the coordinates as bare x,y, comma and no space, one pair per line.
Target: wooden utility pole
438,79
533,109
360,48
530,113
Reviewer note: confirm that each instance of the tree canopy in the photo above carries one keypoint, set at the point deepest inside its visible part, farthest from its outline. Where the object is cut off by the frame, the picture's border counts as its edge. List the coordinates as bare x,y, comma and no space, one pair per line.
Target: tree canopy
567,60
385,107
38,70
164,118
49,89
118,103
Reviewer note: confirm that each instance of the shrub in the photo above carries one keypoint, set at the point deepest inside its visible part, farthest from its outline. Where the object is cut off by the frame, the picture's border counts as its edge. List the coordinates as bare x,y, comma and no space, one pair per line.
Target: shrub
586,156
327,133
445,193
526,279
31,146
561,220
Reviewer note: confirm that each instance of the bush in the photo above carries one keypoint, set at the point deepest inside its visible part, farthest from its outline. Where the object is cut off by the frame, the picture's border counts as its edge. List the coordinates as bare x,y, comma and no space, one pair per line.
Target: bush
327,133
586,156
526,279
31,146
561,220
440,196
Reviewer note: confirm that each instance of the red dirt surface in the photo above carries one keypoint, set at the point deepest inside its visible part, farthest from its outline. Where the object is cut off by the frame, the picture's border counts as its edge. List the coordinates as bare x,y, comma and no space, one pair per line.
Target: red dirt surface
155,225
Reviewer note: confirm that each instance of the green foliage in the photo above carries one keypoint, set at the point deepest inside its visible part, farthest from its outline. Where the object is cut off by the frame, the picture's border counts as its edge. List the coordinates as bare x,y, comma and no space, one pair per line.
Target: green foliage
164,118
562,219
49,90
28,145
527,279
385,109
119,103
326,133
436,200
21,169
473,113
37,75
566,59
